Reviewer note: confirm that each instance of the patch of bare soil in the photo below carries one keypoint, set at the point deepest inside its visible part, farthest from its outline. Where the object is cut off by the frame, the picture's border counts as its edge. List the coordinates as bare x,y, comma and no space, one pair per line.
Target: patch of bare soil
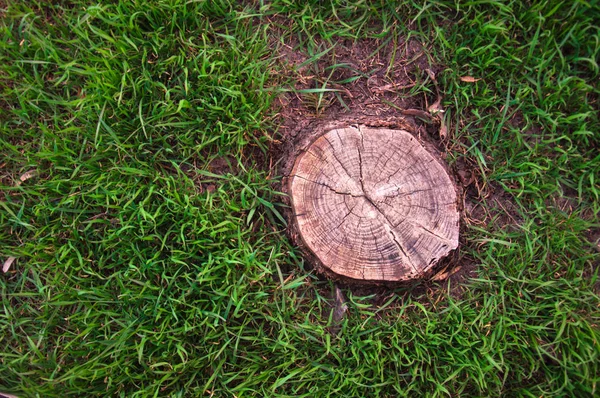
369,84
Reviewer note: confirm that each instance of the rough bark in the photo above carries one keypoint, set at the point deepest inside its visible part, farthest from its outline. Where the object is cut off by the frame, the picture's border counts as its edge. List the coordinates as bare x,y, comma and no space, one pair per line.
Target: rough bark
373,204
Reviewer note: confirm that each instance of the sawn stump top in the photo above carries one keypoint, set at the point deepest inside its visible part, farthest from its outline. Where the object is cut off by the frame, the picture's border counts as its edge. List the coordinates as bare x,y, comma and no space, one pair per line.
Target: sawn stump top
373,204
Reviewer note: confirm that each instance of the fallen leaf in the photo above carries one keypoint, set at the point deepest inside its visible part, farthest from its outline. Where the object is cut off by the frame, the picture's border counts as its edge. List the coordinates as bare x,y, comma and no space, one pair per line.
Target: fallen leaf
469,79
431,74
436,107
440,276
8,263
445,273
26,176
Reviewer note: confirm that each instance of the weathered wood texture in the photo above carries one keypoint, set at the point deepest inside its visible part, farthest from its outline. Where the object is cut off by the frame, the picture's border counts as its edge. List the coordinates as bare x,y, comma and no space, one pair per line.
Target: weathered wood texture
373,204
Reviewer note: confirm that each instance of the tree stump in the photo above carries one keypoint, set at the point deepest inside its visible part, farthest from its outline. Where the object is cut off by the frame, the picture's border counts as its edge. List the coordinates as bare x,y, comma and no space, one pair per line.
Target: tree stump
373,204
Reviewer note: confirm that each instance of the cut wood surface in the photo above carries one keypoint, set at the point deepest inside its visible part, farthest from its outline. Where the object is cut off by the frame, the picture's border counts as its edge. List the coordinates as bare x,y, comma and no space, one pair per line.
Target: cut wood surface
373,204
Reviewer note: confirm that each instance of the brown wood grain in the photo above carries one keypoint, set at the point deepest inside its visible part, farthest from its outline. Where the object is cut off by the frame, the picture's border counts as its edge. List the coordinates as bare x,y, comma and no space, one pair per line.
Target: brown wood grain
373,204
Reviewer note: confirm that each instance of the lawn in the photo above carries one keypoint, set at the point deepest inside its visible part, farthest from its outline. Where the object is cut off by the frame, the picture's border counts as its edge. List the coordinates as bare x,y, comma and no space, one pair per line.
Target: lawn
143,225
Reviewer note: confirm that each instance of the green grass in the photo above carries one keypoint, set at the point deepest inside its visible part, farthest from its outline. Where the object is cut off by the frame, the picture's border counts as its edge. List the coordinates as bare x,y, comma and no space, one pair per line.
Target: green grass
142,271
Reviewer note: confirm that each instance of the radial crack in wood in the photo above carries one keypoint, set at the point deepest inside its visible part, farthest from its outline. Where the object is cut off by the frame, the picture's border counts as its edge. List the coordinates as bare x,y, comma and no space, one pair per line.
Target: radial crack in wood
374,204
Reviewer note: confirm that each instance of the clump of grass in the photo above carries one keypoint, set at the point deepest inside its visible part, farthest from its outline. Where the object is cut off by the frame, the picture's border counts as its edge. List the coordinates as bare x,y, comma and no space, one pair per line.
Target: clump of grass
142,271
